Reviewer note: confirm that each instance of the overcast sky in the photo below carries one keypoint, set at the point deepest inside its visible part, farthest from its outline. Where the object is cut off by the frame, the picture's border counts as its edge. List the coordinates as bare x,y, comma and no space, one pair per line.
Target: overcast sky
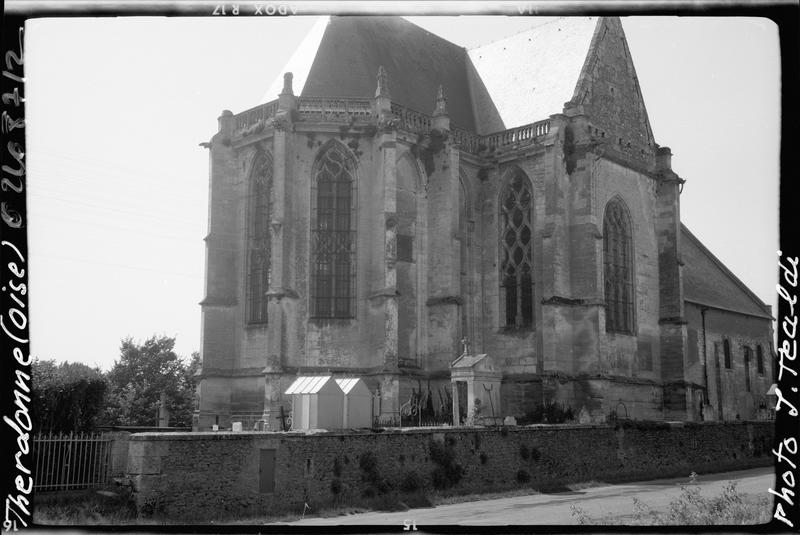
118,186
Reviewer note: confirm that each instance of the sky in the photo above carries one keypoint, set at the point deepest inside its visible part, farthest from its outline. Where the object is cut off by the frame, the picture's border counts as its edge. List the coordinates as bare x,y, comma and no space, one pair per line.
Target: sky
118,184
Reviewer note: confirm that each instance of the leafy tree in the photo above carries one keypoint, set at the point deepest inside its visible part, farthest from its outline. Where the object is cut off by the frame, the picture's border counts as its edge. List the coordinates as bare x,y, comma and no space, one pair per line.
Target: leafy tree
142,373
66,397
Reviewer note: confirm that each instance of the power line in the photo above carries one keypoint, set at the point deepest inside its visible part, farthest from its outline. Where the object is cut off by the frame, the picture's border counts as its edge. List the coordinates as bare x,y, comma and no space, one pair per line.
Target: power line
34,254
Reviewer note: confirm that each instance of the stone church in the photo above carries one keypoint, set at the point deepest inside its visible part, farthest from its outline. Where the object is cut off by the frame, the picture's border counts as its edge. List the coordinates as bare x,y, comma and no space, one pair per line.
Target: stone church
412,201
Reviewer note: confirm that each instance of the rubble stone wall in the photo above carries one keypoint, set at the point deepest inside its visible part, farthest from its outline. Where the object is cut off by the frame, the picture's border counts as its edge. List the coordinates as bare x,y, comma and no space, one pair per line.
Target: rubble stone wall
206,476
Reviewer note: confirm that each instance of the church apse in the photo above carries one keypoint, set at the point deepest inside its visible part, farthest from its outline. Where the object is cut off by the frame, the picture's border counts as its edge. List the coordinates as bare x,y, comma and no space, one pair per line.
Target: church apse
366,227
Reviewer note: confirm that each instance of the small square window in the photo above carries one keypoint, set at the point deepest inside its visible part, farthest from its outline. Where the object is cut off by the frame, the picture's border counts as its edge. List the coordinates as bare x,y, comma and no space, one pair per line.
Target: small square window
405,248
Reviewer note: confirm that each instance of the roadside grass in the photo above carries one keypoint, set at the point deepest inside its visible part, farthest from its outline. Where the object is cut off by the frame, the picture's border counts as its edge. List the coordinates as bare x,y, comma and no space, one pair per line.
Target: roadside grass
108,506
691,508
115,506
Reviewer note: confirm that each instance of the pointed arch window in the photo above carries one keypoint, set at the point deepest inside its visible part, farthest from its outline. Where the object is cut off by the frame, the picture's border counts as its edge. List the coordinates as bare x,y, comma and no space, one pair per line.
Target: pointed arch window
726,353
759,360
333,234
747,351
258,238
618,268
516,251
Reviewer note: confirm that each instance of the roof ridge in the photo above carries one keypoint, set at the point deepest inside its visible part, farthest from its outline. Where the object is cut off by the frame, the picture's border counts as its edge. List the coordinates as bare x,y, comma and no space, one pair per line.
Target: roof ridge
404,19
726,271
509,36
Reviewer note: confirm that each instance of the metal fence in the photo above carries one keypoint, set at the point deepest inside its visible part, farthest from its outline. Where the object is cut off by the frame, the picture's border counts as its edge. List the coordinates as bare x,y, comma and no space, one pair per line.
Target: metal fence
69,462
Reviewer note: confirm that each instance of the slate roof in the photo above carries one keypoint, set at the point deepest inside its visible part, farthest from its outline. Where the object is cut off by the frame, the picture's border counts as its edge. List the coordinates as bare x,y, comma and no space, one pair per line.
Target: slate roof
416,62
706,281
530,75
488,88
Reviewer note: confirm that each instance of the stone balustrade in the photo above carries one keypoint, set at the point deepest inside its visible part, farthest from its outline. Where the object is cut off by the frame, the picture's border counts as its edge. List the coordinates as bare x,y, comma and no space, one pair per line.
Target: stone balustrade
337,109
411,120
333,108
249,118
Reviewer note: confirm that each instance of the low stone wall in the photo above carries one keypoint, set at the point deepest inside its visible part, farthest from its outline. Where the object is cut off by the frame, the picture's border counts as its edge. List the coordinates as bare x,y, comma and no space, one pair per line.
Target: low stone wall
213,475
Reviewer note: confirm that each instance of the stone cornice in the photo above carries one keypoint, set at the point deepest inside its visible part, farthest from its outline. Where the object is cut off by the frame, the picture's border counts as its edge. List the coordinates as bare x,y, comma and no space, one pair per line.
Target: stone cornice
280,293
558,300
444,300
211,301
255,371
673,320
390,292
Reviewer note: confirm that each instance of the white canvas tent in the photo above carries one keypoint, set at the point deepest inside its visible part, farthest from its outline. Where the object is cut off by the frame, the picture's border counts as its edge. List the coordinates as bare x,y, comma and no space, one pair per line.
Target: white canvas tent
357,409
317,403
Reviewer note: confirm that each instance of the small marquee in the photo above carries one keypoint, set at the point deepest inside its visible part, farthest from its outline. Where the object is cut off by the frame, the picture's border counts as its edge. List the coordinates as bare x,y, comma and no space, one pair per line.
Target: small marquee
317,403
357,403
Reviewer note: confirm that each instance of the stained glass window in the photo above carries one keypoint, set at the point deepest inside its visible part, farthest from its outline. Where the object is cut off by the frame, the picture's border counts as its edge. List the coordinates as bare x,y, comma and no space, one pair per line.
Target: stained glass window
333,235
516,251
618,268
258,259
726,353
759,360
747,351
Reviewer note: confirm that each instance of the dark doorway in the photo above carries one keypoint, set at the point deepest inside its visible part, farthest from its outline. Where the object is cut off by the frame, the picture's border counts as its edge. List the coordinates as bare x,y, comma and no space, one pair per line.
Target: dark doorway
266,471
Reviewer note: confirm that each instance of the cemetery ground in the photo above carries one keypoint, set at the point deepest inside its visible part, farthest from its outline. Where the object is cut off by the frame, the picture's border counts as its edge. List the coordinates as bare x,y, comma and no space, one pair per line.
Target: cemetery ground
708,499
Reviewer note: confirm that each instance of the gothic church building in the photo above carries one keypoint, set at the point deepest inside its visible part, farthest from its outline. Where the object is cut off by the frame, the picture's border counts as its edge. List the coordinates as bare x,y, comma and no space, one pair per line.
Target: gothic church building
411,196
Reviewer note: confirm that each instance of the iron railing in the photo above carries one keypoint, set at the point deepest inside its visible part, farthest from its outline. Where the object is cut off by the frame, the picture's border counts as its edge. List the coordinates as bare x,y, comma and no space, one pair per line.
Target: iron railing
74,461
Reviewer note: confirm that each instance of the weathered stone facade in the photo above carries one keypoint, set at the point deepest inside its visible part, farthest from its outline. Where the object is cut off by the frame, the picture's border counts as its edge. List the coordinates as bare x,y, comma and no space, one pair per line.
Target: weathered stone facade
419,261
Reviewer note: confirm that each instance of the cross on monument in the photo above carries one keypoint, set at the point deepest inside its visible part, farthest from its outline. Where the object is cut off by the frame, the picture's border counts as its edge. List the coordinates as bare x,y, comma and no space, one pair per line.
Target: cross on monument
465,343
282,417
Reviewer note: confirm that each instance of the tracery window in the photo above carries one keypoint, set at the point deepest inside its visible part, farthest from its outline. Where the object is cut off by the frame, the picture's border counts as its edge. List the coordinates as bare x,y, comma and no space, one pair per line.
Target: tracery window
726,353
618,268
258,239
759,360
747,351
516,251
333,234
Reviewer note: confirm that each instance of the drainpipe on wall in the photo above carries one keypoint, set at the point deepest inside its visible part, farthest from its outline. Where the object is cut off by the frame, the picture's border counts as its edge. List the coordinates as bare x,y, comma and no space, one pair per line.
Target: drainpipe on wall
705,356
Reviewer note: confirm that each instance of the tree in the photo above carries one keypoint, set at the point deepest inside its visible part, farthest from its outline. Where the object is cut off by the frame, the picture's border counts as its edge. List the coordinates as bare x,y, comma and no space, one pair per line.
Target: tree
66,397
137,380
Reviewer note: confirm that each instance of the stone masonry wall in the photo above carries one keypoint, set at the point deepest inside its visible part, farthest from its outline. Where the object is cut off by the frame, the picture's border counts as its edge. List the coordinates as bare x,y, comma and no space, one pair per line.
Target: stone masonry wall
203,476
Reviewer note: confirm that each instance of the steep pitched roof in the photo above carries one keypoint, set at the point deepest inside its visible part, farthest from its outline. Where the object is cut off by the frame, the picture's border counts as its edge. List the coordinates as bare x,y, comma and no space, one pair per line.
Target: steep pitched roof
529,76
707,281
515,81
346,57
608,89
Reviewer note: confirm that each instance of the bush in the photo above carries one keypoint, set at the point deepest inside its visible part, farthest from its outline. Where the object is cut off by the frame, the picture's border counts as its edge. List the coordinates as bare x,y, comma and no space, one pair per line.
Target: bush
547,413
66,397
368,463
337,467
641,425
523,452
114,506
369,466
448,472
410,482
691,508
523,476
